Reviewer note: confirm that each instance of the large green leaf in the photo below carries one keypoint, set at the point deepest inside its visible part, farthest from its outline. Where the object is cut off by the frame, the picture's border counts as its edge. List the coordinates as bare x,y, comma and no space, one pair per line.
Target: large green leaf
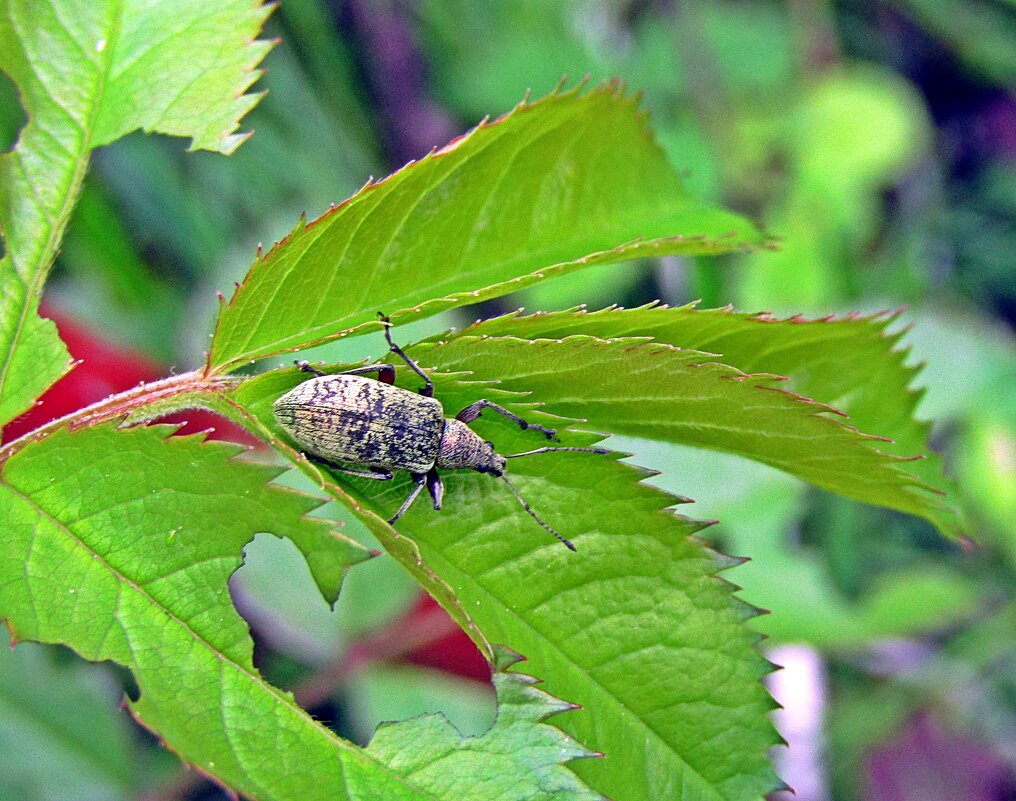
120,543
89,72
643,388
572,180
636,626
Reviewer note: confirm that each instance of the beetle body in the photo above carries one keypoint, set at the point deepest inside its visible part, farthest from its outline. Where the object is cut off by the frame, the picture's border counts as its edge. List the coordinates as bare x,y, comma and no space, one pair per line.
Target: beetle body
359,421
370,427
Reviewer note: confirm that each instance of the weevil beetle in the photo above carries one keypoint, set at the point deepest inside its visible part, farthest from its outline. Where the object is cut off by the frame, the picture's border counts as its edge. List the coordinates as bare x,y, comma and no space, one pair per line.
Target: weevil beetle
347,421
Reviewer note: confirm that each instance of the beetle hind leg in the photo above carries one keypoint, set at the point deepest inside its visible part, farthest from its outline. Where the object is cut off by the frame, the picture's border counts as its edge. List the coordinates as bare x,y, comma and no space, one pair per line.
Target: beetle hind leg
428,388
420,479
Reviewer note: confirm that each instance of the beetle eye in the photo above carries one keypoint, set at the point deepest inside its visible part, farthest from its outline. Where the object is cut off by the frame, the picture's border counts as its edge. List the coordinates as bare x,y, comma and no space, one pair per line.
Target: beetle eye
489,444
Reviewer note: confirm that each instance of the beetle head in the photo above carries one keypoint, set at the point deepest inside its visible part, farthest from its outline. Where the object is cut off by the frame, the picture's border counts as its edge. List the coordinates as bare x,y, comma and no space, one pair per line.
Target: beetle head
492,461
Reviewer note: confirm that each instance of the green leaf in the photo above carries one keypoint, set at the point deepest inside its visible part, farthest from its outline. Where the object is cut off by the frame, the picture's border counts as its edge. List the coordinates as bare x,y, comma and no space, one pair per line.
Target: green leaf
652,390
89,72
120,543
636,627
852,362
572,180
520,755
32,355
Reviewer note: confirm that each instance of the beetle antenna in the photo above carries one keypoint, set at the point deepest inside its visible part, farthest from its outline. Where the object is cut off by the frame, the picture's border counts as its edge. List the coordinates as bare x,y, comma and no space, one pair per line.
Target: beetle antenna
533,514
552,450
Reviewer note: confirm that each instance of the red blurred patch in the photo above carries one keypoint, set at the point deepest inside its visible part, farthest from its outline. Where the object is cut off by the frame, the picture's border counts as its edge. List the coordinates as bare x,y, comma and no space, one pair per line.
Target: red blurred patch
454,653
106,369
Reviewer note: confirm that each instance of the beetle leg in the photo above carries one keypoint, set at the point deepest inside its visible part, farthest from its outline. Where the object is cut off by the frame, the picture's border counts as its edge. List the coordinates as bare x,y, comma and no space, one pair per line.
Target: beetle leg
435,487
428,388
553,450
306,367
473,410
385,372
380,475
420,479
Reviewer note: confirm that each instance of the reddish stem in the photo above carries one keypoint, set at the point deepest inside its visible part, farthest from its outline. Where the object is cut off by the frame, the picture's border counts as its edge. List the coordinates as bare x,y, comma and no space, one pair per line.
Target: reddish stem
123,403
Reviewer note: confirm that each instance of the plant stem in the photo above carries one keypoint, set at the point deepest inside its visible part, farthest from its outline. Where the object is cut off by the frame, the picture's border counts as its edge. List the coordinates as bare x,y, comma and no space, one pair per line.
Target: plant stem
168,395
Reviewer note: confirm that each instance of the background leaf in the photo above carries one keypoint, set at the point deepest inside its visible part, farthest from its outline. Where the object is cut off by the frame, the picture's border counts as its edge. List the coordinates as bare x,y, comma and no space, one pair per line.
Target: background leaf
61,733
571,180
88,73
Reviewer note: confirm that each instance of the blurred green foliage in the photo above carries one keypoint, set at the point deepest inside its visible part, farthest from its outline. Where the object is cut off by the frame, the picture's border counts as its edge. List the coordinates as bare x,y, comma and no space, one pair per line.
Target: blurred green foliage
876,138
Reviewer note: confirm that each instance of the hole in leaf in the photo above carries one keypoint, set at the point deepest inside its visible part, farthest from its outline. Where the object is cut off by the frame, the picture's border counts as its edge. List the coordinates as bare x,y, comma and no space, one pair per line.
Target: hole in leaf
12,113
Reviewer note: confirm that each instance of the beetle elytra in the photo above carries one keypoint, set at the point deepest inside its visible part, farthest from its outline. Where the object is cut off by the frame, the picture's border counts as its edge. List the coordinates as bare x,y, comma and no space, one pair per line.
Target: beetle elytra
369,427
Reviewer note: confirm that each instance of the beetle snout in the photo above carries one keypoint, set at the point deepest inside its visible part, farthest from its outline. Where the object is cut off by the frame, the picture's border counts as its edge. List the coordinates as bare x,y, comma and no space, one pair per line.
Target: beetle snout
497,463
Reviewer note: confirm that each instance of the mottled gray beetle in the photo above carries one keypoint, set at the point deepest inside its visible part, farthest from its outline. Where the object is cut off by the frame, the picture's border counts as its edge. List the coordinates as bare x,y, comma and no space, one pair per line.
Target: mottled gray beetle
346,419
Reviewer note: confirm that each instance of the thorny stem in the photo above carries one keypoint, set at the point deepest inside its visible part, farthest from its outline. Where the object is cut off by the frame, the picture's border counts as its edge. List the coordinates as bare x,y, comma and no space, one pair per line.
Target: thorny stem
117,406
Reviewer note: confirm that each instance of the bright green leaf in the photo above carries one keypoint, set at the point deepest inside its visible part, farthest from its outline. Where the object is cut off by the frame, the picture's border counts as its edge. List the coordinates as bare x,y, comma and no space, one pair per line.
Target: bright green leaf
850,362
572,180
647,389
119,544
89,72
520,756
636,626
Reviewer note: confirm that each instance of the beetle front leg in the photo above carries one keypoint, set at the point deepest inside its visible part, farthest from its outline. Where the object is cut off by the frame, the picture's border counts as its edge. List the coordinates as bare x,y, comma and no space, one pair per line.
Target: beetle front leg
473,410
420,479
436,487
385,372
